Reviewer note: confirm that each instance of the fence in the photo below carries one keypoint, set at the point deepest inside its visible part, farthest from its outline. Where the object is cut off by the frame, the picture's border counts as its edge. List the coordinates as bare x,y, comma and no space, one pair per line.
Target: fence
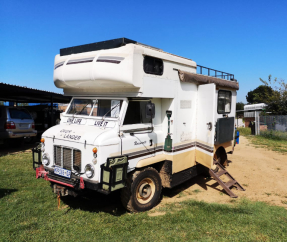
276,122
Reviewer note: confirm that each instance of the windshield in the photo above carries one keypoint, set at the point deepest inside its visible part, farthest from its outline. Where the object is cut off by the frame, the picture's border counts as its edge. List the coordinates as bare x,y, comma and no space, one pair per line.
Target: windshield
19,113
96,107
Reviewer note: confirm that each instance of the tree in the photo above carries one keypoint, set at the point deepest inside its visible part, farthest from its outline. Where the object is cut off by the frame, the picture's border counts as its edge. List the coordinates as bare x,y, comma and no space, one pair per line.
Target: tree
240,106
277,100
260,94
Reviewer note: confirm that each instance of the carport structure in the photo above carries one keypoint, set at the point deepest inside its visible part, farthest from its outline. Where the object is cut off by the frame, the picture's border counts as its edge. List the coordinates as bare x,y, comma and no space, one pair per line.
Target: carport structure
20,94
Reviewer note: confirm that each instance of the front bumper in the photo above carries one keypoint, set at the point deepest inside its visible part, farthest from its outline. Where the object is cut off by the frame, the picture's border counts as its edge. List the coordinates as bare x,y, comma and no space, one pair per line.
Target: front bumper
75,182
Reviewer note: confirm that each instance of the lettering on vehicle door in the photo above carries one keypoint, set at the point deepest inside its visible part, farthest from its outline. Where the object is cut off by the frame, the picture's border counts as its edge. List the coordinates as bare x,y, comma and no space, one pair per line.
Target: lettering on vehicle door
74,120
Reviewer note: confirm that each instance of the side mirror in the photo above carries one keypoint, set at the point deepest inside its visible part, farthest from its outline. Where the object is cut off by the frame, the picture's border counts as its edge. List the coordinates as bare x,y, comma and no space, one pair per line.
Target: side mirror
150,110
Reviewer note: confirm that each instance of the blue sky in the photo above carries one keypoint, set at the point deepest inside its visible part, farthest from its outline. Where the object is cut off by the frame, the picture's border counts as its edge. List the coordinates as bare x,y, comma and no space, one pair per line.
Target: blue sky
247,38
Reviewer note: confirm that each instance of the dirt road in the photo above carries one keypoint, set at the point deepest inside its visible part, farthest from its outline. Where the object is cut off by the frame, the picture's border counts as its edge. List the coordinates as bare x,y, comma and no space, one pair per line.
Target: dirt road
263,173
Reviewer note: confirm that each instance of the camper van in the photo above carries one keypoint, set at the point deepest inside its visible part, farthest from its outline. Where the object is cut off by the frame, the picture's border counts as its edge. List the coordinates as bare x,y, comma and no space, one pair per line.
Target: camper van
140,119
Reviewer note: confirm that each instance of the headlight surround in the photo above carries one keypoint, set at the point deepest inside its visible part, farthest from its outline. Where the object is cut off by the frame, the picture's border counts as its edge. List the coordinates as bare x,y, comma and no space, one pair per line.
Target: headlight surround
89,171
45,159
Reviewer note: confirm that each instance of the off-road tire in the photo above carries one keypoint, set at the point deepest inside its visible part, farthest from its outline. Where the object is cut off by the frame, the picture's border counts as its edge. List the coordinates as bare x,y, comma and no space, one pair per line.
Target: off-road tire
129,197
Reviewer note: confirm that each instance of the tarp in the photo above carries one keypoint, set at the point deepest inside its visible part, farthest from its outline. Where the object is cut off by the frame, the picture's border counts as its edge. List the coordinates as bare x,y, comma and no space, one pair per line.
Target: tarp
202,79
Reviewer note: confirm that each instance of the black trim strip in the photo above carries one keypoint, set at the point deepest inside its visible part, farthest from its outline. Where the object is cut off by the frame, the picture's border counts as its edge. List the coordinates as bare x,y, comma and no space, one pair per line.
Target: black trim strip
204,147
137,130
184,148
59,64
109,61
111,58
78,62
141,153
145,152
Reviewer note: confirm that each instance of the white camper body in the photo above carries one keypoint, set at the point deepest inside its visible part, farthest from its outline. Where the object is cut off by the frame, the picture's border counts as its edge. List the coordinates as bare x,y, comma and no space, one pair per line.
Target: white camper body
126,79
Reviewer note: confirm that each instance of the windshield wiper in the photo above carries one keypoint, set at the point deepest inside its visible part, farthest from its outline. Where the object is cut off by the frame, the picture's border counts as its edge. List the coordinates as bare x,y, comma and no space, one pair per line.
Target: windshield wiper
81,109
110,110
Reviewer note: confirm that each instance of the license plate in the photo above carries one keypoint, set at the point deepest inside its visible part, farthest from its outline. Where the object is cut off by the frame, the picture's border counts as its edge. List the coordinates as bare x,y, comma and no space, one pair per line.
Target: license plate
62,172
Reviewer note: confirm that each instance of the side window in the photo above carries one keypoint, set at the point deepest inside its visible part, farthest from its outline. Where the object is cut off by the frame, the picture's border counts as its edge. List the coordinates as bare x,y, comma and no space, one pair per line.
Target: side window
224,102
153,65
136,113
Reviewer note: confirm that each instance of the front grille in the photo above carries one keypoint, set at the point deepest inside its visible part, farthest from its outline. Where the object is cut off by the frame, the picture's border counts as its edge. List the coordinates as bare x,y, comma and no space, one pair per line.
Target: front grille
67,158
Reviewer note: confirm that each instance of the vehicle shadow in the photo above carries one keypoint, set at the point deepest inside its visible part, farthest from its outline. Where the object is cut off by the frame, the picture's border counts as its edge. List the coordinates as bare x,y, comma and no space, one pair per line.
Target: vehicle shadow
200,180
6,192
96,202
6,150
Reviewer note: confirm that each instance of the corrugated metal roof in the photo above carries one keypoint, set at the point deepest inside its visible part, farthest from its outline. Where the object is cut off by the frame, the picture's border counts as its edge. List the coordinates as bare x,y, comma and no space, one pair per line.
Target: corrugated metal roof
23,94
258,106
30,88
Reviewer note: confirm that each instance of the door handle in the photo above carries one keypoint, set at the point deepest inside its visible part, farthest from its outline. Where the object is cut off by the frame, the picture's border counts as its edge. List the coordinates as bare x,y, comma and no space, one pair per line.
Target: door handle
150,142
209,126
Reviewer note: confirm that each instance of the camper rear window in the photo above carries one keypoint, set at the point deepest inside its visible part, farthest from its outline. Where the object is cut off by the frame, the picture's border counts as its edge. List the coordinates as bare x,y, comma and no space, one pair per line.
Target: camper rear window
224,102
153,65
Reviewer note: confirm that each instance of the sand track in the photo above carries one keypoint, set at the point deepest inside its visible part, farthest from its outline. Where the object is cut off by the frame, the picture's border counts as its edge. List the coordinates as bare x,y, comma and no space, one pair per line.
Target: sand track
263,173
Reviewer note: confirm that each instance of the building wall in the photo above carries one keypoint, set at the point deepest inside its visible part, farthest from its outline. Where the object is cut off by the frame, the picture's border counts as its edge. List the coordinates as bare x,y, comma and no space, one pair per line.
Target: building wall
248,120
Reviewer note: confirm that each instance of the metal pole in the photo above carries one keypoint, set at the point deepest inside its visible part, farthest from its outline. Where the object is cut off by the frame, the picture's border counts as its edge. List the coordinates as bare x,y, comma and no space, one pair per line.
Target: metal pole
52,111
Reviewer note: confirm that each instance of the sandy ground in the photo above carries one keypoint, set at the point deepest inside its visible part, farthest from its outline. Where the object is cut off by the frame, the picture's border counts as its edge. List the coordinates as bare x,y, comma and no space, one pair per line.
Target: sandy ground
263,174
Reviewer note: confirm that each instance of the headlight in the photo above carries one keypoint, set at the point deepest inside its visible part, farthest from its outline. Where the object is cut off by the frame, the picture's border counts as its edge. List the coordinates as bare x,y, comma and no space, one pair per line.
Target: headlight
45,159
89,171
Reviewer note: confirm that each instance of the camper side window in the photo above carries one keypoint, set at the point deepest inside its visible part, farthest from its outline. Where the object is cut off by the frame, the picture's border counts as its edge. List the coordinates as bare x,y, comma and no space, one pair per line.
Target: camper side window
224,102
153,65
136,113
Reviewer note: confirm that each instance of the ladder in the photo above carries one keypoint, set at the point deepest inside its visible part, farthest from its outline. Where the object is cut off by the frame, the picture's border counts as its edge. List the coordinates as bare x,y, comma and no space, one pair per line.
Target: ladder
218,172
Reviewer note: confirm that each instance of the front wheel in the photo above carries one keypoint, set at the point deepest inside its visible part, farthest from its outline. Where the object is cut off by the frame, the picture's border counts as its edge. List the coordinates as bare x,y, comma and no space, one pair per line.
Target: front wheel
142,191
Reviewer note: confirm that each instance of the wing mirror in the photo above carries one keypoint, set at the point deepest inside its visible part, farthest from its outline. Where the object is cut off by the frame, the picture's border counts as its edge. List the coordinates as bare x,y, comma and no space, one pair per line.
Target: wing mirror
150,110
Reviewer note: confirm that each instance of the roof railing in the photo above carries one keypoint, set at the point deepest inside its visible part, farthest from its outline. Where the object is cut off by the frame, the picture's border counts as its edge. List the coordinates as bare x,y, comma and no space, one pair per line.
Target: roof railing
215,73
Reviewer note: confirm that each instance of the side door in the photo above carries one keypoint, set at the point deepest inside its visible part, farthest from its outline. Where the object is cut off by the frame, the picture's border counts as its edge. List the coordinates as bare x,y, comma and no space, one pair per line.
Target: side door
138,137
205,124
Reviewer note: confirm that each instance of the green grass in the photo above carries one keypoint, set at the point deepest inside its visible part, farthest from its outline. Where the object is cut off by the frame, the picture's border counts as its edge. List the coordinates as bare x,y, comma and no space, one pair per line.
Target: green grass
28,212
273,140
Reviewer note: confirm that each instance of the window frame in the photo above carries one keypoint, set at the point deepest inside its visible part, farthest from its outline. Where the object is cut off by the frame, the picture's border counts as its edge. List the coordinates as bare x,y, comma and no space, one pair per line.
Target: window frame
126,111
95,117
152,73
225,91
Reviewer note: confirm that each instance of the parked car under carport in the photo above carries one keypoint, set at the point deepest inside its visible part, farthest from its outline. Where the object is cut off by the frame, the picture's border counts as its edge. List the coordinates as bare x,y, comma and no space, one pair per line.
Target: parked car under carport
15,124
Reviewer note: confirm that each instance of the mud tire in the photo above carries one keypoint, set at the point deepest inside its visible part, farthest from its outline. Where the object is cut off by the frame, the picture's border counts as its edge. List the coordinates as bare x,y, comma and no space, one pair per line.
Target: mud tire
130,194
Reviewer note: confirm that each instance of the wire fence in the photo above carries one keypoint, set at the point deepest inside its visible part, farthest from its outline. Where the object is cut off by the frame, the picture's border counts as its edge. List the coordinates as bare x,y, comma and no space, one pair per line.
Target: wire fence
276,122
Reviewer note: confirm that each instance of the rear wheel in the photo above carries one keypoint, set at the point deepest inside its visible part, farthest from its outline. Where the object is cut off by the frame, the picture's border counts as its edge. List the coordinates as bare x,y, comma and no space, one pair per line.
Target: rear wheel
142,191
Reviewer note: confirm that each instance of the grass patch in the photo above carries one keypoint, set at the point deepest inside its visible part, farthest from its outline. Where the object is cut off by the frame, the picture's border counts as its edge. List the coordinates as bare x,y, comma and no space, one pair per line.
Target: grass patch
273,140
28,212
196,191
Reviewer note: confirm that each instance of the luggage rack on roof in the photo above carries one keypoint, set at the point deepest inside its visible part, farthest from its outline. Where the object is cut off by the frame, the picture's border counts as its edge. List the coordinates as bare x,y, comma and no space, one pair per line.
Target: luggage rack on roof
218,74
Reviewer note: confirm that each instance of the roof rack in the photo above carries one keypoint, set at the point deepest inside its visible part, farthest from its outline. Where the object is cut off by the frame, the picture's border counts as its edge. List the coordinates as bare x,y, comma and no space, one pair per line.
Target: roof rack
219,74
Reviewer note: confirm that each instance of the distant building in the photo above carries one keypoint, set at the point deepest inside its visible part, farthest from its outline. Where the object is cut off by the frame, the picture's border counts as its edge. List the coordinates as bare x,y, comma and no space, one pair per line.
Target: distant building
250,116
63,106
